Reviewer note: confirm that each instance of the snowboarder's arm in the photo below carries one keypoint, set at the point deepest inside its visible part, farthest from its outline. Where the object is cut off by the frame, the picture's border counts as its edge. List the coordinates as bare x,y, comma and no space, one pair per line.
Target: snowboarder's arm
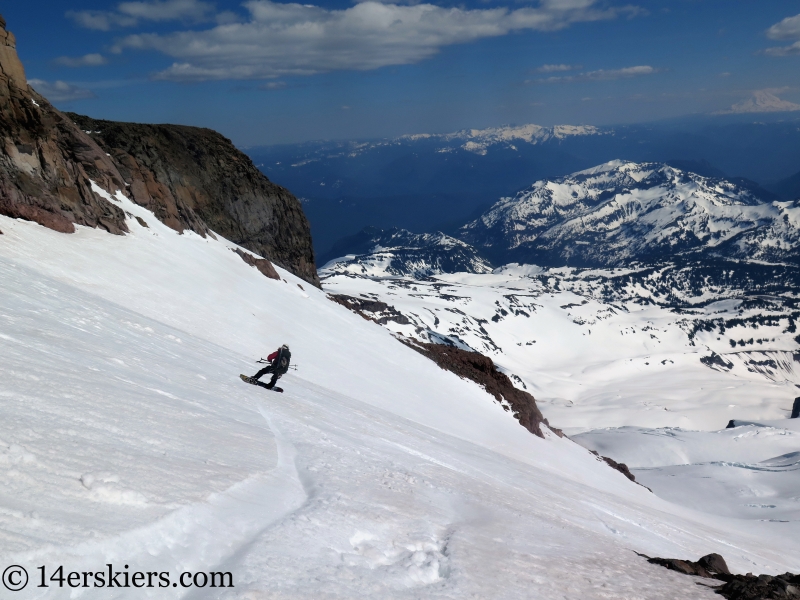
273,356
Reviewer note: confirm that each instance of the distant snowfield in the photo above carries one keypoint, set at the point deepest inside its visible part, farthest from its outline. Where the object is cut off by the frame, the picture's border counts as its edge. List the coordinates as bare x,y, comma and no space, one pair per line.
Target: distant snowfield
624,378
592,363
127,437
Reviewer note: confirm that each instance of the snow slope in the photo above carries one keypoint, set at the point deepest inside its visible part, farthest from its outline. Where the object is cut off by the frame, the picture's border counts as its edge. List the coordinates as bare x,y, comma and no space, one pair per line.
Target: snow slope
127,437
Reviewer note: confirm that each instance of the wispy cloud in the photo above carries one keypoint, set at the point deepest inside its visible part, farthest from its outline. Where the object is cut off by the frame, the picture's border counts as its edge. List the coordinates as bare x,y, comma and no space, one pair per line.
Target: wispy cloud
300,39
601,75
60,91
129,14
789,50
788,29
273,85
87,60
762,101
557,68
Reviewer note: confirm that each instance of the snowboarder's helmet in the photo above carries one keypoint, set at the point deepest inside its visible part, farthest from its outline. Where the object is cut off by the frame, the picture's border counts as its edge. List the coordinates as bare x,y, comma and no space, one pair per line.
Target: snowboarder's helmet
285,346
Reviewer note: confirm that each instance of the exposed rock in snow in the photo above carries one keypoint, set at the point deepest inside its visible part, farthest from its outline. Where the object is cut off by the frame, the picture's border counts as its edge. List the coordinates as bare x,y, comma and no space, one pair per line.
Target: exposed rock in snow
708,566
736,587
262,264
481,370
372,310
618,466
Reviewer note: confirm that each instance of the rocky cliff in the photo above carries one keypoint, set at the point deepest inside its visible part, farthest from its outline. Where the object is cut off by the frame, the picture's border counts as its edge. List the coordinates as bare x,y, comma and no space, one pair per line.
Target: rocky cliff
190,178
46,162
196,179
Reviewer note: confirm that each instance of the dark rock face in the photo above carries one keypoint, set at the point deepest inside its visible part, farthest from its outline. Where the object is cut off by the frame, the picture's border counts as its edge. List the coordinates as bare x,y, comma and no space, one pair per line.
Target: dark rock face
796,409
735,587
190,178
196,179
46,162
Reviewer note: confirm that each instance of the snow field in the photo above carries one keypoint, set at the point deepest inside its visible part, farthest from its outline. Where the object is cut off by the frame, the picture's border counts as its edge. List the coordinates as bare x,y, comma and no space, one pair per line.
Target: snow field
751,471
626,380
590,364
127,436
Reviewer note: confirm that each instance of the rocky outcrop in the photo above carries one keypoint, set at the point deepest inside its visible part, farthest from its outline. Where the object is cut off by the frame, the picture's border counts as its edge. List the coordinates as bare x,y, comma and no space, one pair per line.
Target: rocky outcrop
372,310
262,264
196,179
46,162
481,370
708,566
735,587
621,467
190,178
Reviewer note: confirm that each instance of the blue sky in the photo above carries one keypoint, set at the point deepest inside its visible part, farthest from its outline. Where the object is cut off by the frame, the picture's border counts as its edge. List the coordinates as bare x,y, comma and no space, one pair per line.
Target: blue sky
265,72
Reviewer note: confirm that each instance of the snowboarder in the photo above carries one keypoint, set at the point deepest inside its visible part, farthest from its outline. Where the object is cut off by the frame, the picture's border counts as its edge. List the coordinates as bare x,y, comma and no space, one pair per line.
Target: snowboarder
278,366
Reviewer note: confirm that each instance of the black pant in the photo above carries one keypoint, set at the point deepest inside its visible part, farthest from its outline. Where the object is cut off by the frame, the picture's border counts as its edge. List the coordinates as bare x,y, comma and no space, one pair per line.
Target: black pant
264,371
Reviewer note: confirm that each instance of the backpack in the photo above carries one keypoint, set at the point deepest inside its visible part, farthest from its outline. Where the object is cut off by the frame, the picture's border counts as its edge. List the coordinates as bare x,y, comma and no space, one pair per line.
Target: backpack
282,361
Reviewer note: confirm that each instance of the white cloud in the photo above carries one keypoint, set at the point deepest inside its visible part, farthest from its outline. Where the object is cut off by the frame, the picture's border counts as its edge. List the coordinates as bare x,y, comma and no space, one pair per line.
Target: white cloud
60,91
601,75
87,60
788,29
557,68
129,14
790,50
763,101
292,39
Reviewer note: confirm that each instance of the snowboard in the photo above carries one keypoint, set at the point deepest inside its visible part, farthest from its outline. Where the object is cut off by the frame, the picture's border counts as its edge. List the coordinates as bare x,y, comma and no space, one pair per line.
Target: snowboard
252,381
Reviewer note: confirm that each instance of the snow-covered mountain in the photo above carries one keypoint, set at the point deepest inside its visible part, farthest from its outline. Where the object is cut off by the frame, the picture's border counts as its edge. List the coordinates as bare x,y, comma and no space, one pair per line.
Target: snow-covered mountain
620,212
400,252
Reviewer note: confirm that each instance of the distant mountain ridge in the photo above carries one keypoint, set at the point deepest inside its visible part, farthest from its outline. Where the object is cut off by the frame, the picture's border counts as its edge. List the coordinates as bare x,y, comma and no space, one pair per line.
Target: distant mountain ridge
612,215
440,181
479,140
621,211
397,252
